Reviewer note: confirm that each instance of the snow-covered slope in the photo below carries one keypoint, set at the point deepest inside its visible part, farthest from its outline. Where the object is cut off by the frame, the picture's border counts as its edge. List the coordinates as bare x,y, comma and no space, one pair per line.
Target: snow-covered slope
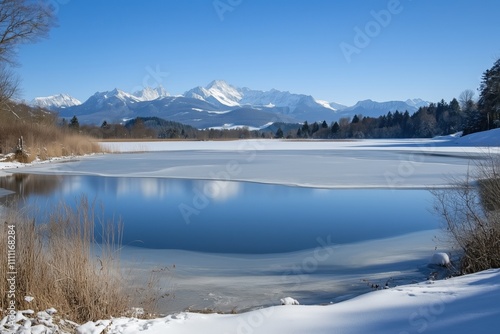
150,94
334,106
484,138
55,101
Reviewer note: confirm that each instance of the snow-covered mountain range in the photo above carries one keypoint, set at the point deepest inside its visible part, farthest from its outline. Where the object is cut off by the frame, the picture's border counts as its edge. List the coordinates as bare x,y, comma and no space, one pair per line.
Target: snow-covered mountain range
218,104
55,101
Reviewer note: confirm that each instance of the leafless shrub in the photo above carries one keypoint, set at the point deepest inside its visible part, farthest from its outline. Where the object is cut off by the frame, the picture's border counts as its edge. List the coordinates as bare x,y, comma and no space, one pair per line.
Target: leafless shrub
471,212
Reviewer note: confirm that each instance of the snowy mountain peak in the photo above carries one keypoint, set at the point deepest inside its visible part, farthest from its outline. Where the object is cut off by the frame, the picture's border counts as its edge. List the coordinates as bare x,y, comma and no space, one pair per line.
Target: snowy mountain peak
417,102
101,97
150,94
220,85
56,101
122,95
224,93
218,92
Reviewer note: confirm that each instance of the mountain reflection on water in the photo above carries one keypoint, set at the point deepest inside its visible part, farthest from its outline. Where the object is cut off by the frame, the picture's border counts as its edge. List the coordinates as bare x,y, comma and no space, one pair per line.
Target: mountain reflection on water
232,217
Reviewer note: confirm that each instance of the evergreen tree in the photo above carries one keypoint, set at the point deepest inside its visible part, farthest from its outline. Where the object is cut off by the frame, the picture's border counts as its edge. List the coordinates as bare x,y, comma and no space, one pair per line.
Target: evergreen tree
406,125
454,105
335,128
390,119
74,124
279,133
489,99
382,121
324,125
315,127
305,129
397,118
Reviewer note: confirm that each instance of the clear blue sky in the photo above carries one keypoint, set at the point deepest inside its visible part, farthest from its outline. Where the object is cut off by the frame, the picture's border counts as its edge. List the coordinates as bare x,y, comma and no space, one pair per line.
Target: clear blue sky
424,48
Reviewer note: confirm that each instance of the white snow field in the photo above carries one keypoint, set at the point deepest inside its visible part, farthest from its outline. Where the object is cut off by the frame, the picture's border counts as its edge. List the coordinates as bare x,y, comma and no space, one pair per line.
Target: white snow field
459,305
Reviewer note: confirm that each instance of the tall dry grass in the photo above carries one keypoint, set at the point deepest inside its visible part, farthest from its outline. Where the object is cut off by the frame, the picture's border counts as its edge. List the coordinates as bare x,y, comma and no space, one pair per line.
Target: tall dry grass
44,141
71,263
43,137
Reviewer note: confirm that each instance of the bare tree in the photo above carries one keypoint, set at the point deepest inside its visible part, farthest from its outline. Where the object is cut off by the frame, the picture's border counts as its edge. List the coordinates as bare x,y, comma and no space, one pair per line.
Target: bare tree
466,99
21,21
8,84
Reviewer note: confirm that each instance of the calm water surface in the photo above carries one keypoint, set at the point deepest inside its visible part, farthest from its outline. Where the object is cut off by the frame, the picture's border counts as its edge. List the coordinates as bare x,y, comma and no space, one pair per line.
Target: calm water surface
233,217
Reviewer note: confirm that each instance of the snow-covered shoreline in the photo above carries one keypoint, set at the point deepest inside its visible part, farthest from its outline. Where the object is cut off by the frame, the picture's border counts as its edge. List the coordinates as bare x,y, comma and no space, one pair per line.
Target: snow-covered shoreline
466,304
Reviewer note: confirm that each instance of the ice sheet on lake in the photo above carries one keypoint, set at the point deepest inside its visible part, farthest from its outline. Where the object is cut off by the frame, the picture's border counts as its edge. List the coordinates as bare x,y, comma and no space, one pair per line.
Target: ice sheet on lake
326,274
413,163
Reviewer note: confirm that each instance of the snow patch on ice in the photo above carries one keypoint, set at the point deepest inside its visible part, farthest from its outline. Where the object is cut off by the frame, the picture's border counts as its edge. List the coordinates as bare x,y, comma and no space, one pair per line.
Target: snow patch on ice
440,259
289,301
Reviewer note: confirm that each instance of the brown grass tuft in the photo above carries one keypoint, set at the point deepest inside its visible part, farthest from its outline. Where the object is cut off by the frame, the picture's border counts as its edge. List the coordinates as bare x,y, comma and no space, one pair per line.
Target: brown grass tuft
61,265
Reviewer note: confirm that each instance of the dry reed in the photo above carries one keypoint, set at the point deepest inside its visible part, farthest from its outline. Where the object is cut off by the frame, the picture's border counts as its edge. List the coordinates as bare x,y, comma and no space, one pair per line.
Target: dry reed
42,137
70,262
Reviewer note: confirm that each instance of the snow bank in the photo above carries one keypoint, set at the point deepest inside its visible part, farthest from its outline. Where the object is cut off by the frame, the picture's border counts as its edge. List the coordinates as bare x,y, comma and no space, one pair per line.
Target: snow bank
485,139
466,304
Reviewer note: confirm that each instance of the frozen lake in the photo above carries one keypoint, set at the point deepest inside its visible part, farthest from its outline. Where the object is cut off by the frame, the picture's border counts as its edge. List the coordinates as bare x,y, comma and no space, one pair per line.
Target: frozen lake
233,217
249,222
